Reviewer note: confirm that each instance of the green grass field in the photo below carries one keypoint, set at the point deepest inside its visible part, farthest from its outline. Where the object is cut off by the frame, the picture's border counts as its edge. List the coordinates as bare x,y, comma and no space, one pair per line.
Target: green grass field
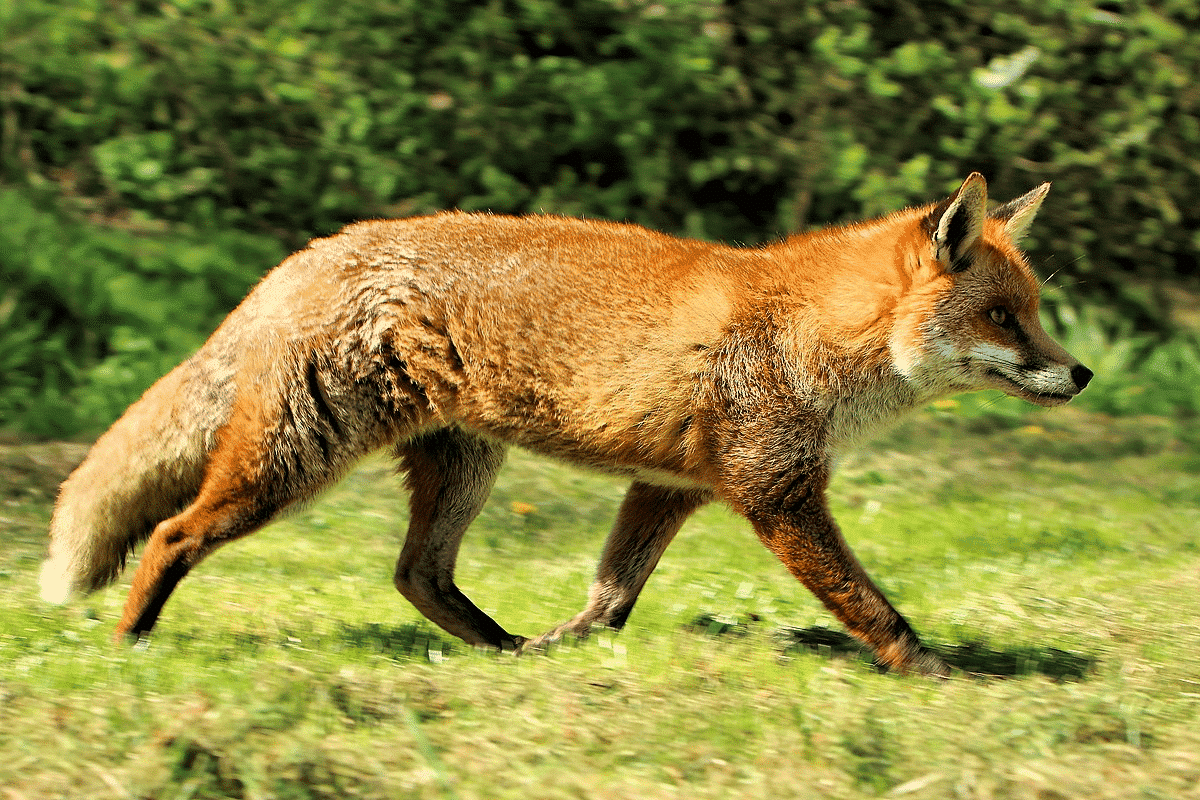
1058,551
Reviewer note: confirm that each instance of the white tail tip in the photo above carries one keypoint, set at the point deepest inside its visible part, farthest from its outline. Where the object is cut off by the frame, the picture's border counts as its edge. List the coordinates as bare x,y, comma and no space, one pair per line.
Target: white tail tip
55,581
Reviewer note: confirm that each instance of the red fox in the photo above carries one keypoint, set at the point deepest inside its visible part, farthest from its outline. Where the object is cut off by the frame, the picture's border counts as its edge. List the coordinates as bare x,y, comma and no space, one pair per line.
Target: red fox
699,371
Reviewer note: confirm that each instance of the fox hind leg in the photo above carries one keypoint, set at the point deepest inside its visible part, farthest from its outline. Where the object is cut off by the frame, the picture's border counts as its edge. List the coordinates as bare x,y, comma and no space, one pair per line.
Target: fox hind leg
254,471
449,474
647,521
178,544
235,499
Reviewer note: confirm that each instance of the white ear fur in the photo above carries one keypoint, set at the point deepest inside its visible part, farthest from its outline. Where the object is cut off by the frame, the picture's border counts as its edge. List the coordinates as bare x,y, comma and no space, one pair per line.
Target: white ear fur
1018,214
961,224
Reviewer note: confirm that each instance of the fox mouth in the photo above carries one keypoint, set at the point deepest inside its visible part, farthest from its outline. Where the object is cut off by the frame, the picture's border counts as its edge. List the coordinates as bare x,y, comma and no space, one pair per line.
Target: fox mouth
1024,392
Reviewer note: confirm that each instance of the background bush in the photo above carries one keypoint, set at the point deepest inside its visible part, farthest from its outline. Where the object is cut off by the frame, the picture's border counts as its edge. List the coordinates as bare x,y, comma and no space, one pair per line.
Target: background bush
94,314
159,156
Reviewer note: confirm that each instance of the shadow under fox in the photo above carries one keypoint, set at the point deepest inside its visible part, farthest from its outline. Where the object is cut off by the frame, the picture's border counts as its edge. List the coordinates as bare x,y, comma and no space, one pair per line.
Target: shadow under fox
699,371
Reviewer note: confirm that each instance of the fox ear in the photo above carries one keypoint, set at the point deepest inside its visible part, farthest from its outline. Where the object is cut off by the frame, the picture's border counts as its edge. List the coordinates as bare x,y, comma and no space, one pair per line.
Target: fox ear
957,223
1017,215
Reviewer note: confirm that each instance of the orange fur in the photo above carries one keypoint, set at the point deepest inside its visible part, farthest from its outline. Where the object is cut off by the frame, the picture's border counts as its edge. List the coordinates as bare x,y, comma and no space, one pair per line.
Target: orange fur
698,370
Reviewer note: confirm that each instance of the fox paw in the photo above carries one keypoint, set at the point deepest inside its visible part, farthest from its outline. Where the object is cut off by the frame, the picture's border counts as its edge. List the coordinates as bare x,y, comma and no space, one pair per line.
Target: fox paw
574,629
930,664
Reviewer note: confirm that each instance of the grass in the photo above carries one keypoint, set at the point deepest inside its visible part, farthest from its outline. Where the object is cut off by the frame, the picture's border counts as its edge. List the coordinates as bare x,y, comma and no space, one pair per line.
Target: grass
1058,552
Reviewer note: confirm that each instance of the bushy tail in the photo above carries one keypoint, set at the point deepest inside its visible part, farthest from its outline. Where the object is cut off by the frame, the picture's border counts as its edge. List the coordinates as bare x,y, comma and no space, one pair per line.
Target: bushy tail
146,468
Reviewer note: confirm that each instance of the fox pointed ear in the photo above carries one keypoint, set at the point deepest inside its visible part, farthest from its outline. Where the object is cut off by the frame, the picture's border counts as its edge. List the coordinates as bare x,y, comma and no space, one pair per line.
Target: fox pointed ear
957,223
1017,215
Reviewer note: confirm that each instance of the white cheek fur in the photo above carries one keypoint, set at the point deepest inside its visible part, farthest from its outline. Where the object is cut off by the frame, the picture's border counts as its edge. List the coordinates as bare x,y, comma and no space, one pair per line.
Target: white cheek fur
995,356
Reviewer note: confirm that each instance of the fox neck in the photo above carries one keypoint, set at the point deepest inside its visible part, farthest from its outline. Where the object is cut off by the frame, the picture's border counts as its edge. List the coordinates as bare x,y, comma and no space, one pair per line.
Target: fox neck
859,324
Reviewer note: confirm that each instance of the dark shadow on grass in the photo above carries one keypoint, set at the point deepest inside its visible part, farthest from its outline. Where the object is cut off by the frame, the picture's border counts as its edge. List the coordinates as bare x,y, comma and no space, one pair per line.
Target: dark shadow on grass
972,658
413,640
977,658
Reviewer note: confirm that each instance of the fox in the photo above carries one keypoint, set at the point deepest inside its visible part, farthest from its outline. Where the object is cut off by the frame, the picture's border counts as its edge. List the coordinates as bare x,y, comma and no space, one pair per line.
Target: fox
699,371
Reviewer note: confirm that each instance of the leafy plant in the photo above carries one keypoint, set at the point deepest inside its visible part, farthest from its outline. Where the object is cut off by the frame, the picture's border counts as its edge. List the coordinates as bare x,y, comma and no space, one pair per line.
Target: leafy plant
93,315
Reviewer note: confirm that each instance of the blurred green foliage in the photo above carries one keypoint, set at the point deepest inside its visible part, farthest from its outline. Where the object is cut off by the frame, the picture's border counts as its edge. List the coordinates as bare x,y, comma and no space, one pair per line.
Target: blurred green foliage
194,135
92,315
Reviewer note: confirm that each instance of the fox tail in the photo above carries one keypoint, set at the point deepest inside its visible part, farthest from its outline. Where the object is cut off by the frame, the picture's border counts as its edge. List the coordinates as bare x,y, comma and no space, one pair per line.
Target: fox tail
146,468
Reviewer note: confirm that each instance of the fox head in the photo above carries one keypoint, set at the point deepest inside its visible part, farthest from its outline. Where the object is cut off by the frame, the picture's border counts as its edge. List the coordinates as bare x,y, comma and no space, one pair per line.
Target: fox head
972,318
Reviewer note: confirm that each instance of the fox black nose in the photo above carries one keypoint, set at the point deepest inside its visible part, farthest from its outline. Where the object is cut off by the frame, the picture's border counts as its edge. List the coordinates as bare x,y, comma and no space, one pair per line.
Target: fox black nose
1081,375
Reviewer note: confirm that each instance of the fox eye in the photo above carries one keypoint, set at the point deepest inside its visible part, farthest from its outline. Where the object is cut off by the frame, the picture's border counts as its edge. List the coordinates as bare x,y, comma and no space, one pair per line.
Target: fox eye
999,315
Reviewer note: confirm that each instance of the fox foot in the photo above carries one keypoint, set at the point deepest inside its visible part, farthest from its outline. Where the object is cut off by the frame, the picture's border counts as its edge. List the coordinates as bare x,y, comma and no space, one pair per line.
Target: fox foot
574,629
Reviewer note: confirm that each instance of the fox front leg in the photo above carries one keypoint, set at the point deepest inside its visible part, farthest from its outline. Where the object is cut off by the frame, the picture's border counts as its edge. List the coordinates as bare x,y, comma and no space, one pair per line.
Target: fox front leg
795,524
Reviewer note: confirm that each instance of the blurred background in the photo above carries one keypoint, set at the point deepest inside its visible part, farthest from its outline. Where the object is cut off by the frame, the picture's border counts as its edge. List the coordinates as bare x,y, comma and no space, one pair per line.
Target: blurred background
158,157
